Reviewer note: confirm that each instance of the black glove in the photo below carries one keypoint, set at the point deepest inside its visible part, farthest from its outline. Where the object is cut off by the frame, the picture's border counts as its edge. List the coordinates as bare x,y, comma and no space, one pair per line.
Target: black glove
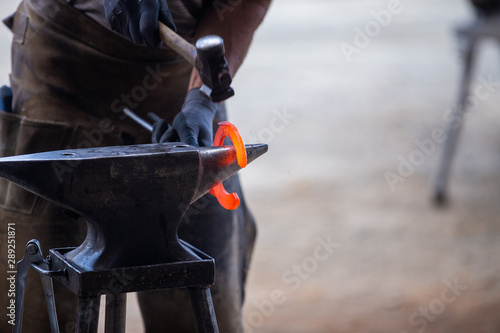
193,125
138,19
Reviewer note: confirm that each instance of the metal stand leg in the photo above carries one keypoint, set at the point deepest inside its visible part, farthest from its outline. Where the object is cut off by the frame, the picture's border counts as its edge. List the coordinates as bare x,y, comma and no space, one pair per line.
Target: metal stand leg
440,196
115,313
88,314
51,303
203,310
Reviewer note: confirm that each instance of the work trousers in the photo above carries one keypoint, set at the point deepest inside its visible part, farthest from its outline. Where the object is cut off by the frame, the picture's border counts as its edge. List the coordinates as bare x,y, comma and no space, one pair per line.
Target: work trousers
71,78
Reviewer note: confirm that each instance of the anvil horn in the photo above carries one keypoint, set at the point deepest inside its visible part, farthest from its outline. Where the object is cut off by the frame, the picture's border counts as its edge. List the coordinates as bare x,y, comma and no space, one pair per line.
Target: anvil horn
218,165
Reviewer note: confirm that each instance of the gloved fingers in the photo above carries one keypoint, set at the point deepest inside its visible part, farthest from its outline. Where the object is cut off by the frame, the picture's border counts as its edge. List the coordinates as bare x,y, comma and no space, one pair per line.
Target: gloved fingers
205,137
148,28
159,129
134,33
116,18
187,131
165,16
169,136
188,137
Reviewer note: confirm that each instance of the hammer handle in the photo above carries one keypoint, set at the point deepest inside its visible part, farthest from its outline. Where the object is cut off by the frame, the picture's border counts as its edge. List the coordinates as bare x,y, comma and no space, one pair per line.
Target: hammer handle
178,44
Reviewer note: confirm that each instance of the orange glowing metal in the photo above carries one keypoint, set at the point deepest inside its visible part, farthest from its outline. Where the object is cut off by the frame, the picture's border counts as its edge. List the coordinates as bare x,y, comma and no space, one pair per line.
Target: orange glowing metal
226,129
227,200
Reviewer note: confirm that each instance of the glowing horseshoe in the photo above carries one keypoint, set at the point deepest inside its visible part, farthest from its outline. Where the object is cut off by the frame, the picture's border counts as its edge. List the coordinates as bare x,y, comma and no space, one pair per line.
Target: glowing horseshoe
227,200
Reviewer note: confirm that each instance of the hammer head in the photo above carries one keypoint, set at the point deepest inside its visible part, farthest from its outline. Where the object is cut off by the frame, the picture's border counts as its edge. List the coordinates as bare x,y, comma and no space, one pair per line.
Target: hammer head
213,69
132,197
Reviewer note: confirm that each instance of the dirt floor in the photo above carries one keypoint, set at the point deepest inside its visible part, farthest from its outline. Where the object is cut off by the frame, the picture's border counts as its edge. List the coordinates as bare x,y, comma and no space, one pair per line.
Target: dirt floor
340,248
400,264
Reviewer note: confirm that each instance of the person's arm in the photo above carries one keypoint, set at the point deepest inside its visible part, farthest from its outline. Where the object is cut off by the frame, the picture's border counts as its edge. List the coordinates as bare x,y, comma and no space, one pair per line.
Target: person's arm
236,24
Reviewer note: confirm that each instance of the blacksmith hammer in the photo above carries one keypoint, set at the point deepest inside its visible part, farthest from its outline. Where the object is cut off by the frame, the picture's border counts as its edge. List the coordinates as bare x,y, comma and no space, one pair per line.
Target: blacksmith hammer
207,56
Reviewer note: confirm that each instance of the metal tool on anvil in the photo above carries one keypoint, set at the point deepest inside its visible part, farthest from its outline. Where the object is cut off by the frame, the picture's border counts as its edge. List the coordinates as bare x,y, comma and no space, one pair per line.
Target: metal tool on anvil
132,198
207,56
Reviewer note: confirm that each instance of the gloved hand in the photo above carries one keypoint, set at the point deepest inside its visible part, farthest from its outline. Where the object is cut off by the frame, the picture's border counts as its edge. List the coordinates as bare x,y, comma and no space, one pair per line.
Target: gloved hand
193,125
138,19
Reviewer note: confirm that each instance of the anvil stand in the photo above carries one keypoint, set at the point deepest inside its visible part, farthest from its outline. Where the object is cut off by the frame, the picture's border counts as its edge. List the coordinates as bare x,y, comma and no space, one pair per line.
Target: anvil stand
197,276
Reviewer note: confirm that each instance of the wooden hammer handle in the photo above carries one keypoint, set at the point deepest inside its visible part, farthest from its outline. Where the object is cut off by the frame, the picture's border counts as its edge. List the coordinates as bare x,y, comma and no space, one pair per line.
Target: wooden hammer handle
178,44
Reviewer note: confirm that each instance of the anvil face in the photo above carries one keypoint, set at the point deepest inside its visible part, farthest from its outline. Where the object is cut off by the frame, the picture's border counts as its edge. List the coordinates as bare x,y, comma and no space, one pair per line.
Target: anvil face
132,197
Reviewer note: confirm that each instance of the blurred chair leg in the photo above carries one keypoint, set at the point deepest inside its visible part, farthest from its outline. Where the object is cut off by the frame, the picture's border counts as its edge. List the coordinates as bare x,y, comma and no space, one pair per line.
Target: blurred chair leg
440,194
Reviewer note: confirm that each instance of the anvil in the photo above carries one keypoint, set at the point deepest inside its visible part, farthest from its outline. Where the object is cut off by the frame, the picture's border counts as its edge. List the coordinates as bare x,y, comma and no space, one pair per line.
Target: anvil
132,197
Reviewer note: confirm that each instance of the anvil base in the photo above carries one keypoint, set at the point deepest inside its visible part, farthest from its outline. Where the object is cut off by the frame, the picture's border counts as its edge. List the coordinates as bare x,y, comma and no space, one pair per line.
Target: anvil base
132,279
195,275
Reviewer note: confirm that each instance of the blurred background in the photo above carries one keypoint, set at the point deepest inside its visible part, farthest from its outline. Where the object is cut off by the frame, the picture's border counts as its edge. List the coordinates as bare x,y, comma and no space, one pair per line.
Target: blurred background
341,248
